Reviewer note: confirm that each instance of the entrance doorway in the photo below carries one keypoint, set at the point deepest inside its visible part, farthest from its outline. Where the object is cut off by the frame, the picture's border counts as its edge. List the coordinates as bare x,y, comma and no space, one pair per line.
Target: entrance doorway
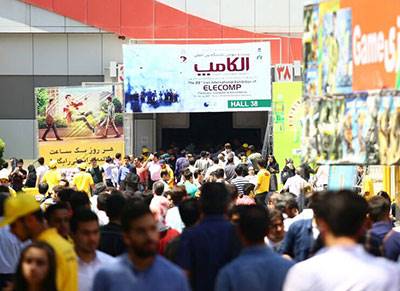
209,131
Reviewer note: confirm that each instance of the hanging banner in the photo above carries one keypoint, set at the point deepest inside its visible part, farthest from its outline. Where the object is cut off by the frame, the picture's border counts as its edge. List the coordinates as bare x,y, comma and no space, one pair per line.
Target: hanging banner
79,123
197,78
288,112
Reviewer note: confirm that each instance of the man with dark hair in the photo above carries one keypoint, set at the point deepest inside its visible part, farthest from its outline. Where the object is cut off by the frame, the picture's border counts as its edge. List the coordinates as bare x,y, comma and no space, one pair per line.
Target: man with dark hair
381,239
258,268
58,216
141,268
208,246
96,171
340,217
240,179
78,200
86,235
83,181
111,241
262,187
203,163
40,171
220,175
230,168
109,119
18,176
190,187
26,221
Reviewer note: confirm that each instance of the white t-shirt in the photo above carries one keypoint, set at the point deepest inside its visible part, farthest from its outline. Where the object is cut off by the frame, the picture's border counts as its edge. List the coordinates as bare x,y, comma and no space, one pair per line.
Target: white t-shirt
40,171
87,271
343,268
295,185
174,220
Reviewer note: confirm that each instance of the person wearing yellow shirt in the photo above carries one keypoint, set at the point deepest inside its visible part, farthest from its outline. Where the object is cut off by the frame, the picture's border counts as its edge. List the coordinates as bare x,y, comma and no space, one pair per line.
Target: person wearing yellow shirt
52,177
262,187
27,222
83,181
5,181
167,168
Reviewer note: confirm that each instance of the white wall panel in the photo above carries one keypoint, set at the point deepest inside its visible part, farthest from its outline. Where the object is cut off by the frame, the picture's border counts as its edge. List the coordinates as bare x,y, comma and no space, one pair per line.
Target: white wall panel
207,9
177,4
273,15
14,16
15,54
238,13
85,54
112,49
41,17
50,54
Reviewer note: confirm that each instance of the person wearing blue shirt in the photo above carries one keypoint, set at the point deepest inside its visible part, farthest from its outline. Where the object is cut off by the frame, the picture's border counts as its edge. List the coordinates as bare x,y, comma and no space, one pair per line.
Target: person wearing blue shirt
212,243
141,268
258,267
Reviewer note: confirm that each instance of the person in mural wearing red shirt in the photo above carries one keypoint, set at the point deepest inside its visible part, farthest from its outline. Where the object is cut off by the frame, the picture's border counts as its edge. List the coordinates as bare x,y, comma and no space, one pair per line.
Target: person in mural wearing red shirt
72,112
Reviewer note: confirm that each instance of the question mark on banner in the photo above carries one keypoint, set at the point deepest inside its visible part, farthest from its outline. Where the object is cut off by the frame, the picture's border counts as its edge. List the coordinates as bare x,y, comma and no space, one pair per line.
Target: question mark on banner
183,58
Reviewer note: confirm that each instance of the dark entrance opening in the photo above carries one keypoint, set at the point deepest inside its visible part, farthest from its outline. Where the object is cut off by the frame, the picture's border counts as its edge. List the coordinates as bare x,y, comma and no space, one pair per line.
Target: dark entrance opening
209,131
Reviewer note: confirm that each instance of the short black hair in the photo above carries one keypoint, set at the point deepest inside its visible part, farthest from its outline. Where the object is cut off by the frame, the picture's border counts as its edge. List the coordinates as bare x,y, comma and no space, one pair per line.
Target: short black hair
133,210
118,155
219,173
192,161
65,194
190,211
114,205
54,207
291,203
203,154
43,188
378,208
78,200
254,223
261,163
164,173
275,214
109,160
3,197
247,188
187,174
41,161
82,215
197,173
239,170
177,194
343,211
214,198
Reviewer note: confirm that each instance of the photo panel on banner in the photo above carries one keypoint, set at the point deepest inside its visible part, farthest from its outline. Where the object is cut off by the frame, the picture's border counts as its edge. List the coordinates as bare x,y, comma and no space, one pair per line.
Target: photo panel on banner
197,78
79,123
352,62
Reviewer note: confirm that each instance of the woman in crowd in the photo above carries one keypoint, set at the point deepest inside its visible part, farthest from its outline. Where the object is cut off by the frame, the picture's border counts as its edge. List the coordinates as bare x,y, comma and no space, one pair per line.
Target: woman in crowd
273,169
36,270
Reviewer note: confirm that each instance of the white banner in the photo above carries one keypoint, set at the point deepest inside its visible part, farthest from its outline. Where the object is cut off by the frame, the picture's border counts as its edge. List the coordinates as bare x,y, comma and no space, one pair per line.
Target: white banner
197,78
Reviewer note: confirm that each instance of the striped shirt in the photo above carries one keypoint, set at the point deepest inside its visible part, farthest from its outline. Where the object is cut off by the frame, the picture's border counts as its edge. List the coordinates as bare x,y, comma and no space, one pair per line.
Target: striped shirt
239,182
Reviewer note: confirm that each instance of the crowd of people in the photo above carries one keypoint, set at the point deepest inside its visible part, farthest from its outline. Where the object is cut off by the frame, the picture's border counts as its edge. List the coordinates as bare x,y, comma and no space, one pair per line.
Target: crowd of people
179,221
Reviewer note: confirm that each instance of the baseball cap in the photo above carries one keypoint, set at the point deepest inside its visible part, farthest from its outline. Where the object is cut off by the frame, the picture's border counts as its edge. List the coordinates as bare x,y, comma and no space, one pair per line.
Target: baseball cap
145,150
245,145
82,166
4,174
18,206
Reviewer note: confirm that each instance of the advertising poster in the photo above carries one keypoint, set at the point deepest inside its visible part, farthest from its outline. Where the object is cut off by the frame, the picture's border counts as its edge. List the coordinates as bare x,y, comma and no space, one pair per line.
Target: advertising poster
79,123
310,49
197,78
288,111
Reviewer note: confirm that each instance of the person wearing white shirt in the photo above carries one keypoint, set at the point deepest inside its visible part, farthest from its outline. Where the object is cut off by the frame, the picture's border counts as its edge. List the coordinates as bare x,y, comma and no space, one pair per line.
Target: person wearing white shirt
86,235
295,184
342,264
40,171
173,218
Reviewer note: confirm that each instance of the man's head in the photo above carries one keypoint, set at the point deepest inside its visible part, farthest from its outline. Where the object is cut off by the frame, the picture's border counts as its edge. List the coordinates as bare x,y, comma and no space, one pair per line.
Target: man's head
43,188
230,158
378,209
109,99
58,216
291,207
253,224
276,230
20,163
41,161
190,211
164,176
214,198
339,214
85,231
198,175
93,161
158,188
114,205
261,163
118,156
240,170
187,174
177,195
140,230
127,160
228,147
78,200
203,154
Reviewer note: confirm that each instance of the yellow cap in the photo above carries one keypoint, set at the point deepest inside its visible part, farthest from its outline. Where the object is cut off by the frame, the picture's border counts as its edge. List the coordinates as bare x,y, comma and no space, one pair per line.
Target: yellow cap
245,145
53,164
145,150
18,206
82,166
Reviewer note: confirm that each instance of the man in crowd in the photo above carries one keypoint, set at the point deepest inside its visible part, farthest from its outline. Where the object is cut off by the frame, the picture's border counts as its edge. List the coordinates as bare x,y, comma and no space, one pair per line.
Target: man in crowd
52,177
40,171
230,168
83,181
208,246
108,169
50,121
257,268
240,180
343,264
96,172
182,163
27,222
86,235
175,198
111,241
190,187
381,239
262,187
141,268
58,216
296,185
